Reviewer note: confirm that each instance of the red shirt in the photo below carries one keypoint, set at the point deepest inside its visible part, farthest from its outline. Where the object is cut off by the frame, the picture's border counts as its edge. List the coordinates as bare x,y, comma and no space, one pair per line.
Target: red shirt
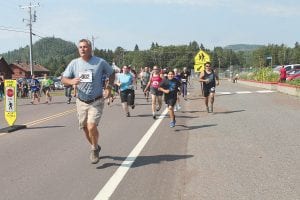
155,80
282,72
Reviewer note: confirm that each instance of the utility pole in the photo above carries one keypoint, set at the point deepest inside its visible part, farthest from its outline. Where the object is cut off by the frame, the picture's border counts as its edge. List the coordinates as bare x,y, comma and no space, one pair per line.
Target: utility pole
93,44
219,59
32,18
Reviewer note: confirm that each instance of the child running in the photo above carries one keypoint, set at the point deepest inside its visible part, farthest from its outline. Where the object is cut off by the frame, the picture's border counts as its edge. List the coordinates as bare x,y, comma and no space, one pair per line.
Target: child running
170,88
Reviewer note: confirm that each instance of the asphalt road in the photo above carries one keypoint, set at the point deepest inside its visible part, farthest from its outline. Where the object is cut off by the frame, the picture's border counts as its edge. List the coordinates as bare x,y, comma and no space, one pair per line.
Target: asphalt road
247,149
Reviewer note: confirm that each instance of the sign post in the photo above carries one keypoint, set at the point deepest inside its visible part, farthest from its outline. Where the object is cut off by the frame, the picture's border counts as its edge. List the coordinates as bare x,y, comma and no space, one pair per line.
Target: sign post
200,59
10,101
10,106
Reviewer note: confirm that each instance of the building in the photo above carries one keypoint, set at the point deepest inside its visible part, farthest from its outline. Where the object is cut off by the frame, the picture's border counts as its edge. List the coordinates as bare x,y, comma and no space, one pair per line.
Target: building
22,70
5,71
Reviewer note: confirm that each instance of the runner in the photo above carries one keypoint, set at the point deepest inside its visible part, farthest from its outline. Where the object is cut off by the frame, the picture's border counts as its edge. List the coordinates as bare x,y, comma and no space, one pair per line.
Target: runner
34,89
209,80
126,84
46,82
145,77
156,95
170,88
184,82
177,75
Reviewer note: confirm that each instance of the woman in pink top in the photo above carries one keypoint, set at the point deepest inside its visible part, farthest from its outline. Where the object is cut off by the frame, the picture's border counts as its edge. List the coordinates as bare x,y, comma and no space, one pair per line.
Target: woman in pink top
282,74
156,95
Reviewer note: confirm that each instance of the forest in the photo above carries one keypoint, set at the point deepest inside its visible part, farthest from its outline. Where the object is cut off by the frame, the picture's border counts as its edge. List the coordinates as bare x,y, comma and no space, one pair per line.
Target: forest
55,54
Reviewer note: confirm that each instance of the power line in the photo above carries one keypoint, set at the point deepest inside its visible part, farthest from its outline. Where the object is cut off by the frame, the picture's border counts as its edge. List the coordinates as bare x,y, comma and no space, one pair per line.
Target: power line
13,30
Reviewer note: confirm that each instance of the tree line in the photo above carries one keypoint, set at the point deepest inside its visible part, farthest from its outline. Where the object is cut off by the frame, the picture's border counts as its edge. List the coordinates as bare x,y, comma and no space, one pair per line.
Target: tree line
55,54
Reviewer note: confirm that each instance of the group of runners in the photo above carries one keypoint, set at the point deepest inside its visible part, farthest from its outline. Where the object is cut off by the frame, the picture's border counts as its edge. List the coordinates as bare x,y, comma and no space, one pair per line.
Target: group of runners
170,83
94,79
33,89
155,83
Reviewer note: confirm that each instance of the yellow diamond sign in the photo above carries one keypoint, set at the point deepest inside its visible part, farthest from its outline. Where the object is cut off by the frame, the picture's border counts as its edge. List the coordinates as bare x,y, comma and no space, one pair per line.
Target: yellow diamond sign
200,59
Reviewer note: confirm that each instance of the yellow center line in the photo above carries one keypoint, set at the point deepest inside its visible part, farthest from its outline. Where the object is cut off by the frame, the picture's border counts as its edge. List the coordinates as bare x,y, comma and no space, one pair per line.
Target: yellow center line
29,124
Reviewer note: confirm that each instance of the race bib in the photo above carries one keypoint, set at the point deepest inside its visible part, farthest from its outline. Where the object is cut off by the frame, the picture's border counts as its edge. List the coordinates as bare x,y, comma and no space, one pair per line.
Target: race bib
86,76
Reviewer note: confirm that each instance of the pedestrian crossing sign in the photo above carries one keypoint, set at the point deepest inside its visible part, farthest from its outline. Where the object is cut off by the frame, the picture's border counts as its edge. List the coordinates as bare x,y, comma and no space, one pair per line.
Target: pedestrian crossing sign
10,101
199,60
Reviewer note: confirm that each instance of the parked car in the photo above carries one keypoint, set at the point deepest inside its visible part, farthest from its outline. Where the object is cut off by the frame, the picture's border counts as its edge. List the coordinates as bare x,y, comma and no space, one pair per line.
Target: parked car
294,75
288,68
58,85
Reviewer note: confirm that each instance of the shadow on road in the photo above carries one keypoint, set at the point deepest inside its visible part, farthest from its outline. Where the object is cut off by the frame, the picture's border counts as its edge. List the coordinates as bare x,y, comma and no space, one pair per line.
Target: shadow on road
140,160
228,112
186,128
41,127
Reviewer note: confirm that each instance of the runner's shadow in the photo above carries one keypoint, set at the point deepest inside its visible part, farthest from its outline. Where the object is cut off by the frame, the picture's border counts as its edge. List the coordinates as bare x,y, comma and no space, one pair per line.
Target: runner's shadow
41,127
187,128
191,111
186,117
140,160
195,98
145,115
228,112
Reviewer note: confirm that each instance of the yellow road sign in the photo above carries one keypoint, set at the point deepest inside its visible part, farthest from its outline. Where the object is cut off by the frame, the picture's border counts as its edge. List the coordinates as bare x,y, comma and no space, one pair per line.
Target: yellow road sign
10,87
199,60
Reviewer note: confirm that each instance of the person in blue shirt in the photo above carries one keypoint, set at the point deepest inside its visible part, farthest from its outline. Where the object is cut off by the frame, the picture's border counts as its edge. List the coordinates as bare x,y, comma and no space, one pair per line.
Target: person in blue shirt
170,88
86,73
34,85
126,84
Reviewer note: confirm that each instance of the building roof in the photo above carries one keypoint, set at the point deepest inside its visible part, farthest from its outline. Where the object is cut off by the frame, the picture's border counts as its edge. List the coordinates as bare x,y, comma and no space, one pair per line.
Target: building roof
26,67
3,64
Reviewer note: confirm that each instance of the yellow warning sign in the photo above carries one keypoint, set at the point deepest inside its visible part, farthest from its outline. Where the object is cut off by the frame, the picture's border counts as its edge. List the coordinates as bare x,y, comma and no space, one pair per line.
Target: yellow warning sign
10,87
200,59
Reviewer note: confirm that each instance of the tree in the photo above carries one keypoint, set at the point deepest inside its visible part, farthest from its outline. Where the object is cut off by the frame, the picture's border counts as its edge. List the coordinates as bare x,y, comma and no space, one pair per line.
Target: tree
136,48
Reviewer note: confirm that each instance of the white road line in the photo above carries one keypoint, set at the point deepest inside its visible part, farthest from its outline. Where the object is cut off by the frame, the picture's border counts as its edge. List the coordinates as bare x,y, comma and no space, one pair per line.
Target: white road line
265,91
224,93
117,177
243,92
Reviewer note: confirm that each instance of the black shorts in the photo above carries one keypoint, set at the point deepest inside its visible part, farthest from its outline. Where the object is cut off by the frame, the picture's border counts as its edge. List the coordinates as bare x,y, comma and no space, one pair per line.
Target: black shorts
124,95
170,101
45,89
208,90
155,91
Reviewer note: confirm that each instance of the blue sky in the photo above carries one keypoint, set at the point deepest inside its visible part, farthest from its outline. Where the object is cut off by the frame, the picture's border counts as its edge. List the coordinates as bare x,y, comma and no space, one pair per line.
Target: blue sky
126,23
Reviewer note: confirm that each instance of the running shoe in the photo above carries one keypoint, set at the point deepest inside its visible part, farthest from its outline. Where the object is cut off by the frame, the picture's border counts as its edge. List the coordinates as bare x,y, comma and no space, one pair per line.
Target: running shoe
172,124
133,106
94,156
128,114
154,116
207,109
178,107
158,108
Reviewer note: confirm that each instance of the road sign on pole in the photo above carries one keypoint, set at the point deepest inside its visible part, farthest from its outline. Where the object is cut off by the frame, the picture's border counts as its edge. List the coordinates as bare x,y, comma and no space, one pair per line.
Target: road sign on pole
200,59
10,101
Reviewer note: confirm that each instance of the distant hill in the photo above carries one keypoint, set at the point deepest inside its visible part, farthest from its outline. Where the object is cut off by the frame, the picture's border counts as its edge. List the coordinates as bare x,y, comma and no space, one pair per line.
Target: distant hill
53,53
243,47
43,50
